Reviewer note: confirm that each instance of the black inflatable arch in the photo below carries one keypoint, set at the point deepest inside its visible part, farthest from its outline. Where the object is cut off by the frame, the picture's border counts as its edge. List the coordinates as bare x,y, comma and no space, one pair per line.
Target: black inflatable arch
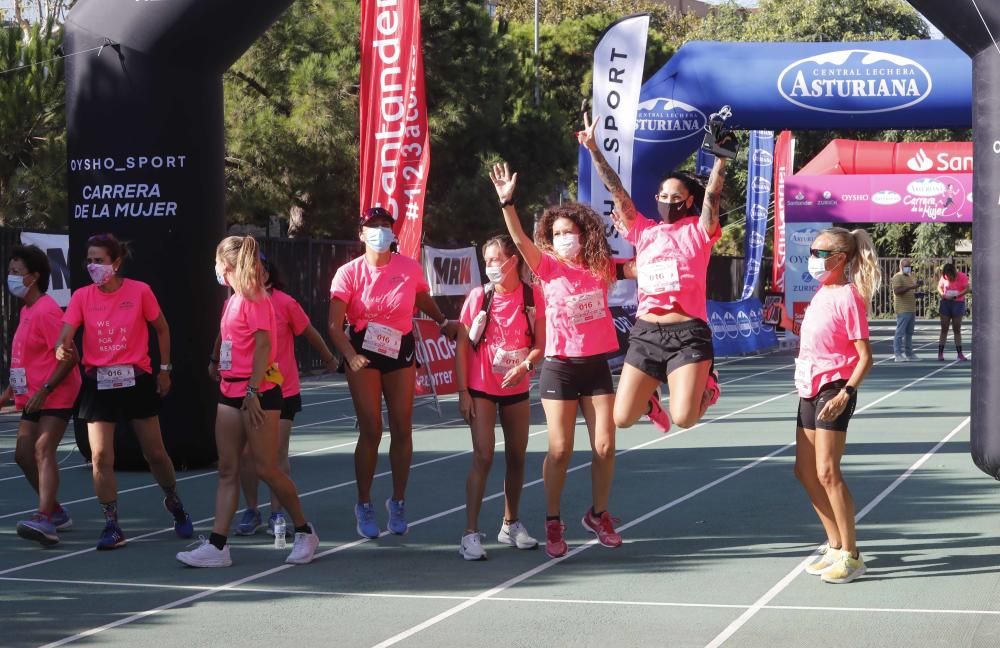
145,148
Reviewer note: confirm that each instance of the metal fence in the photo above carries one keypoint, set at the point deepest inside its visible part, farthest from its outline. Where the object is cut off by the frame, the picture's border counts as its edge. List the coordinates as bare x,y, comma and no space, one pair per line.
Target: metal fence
928,300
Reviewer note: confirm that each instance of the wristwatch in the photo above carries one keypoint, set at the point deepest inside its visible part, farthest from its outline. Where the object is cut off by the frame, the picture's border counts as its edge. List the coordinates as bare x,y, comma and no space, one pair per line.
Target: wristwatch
506,203
851,391
252,391
443,323
528,364
166,367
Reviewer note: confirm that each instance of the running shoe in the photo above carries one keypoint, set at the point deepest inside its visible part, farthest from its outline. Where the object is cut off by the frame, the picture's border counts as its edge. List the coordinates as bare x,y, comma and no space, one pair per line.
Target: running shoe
712,386
397,516
365,514
941,356
823,562
555,546
657,415
206,555
183,526
111,538
899,358
61,519
961,356
40,529
515,535
471,547
250,521
603,527
912,357
846,569
271,521
304,547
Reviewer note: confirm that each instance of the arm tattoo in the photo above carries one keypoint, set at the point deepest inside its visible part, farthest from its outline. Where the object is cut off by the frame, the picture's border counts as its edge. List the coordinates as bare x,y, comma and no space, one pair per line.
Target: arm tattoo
623,202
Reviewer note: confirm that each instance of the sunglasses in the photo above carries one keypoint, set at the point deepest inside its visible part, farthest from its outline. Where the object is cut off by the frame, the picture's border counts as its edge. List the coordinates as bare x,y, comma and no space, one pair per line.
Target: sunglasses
822,254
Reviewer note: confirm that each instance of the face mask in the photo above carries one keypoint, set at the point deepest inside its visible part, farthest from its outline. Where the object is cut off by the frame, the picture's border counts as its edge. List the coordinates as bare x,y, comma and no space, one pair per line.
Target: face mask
15,284
672,212
817,268
379,238
907,270
497,274
566,245
221,278
100,274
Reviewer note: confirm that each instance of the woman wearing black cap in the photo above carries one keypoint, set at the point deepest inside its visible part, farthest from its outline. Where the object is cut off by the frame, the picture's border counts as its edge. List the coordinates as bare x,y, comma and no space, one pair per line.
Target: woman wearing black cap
377,293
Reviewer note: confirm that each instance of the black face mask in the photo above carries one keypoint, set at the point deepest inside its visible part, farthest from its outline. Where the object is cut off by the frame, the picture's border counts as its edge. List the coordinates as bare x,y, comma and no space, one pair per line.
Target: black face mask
671,212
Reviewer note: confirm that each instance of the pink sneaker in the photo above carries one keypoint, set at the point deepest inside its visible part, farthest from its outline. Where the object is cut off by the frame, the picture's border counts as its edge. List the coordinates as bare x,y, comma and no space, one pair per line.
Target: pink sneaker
555,546
657,415
712,386
941,356
961,356
603,527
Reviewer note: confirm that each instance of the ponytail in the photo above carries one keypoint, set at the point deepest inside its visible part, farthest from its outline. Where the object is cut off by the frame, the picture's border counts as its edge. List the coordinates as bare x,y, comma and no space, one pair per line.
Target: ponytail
865,271
242,255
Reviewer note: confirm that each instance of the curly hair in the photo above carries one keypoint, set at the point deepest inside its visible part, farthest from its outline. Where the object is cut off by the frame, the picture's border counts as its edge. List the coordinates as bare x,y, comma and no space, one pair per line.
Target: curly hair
595,253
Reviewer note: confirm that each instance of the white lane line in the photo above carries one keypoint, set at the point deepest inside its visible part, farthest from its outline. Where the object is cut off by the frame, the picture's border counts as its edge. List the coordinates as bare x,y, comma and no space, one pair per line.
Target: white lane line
540,568
778,587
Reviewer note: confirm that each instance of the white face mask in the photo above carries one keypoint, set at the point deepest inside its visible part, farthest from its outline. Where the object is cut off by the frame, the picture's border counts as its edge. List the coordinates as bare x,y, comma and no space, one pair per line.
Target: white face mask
100,274
498,274
15,284
566,245
379,238
221,278
817,268
907,270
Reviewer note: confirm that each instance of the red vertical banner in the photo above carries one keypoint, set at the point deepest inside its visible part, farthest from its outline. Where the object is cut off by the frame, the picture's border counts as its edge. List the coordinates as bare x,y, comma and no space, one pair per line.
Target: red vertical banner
395,145
784,157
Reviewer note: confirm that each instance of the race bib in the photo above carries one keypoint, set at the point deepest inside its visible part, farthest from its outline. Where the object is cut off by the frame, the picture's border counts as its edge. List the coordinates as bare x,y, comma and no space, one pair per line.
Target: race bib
116,377
951,294
803,375
226,356
504,360
659,277
19,381
586,307
383,340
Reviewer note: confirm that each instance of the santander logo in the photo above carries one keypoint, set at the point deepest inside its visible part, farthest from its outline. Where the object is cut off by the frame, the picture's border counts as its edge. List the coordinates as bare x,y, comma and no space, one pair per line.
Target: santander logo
919,162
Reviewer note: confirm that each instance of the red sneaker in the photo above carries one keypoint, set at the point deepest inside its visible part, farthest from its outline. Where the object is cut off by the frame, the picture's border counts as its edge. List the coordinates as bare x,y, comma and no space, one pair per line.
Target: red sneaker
713,389
555,546
603,527
657,415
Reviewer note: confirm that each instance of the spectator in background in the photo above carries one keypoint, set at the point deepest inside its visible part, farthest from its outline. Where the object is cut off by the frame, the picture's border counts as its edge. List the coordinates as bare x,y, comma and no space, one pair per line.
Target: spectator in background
904,302
953,287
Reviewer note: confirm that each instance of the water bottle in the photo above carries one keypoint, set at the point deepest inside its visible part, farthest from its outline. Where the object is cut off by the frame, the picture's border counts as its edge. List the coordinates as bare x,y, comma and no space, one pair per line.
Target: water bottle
279,532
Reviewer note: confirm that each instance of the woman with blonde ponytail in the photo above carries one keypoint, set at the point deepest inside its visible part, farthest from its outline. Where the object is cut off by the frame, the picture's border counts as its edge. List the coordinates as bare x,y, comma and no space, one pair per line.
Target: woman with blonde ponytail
834,358
249,403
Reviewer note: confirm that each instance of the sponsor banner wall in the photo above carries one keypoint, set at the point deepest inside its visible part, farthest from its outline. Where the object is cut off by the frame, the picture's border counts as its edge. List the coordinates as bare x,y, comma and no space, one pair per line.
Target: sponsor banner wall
56,247
436,354
799,284
738,327
761,163
898,198
863,85
451,272
395,144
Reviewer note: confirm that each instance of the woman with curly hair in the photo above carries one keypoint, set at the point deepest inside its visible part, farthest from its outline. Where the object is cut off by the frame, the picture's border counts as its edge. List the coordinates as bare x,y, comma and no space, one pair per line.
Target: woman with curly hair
671,341
571,257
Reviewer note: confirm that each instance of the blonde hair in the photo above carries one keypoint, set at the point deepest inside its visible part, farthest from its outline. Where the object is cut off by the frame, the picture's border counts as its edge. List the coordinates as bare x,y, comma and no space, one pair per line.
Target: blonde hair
861,267
242,254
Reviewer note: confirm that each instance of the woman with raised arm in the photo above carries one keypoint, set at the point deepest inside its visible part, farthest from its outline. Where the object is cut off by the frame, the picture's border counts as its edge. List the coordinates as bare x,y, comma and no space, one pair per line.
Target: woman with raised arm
571,257
500,343
249,405
118,381
834,358
376,293
671,341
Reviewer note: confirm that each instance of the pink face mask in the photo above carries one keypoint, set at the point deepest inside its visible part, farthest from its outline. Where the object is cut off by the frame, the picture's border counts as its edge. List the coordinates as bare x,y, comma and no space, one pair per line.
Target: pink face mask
100,274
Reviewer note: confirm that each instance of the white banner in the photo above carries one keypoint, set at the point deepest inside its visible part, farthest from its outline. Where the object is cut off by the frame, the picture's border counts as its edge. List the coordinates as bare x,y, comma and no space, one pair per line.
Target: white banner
451,272
618,62
56,247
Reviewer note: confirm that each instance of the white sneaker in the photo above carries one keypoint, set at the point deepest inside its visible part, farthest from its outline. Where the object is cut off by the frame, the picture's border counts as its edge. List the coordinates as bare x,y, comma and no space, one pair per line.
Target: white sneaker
912,357
515,535
304,548
472,547
824,562
206,555
900,358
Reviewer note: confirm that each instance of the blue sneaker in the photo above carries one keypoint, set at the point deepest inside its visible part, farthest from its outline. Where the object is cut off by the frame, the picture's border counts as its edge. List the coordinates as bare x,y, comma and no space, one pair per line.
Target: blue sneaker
61,519
183,526
111,538
397,515
40,529
367,527
249,522
289,530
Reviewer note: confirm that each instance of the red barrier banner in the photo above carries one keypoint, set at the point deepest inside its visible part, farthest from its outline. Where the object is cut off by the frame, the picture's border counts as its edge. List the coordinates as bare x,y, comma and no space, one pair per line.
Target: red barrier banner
783,161
436,354
395,145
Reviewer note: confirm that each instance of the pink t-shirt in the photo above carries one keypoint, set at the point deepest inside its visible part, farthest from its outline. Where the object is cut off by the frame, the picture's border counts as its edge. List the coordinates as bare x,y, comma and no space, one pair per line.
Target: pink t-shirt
291,321
385,295
505,343
834,319
241,319
577,318
960,283
115,325
672,264
33,352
